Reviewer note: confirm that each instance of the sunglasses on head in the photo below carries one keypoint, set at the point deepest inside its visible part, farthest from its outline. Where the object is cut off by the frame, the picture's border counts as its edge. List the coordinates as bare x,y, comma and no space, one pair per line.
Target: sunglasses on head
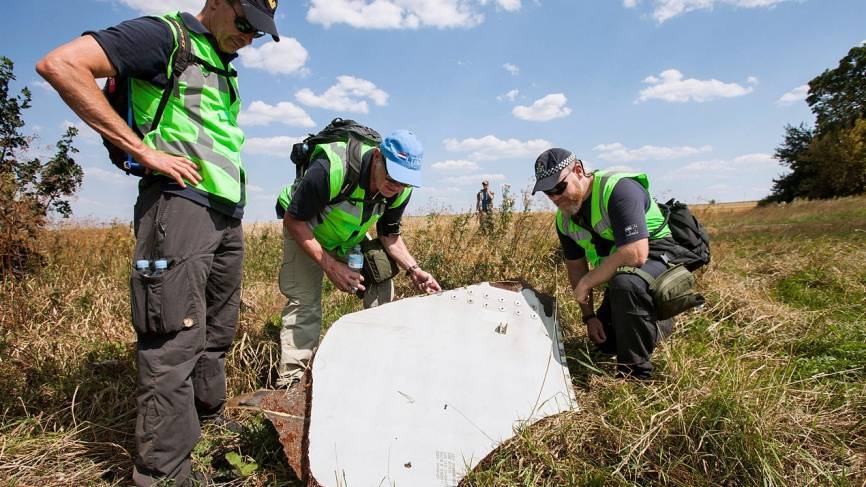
244,26
558,189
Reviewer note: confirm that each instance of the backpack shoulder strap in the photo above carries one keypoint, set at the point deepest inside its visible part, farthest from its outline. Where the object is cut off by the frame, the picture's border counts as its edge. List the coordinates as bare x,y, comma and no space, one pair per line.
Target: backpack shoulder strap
353,171
180,60
646,276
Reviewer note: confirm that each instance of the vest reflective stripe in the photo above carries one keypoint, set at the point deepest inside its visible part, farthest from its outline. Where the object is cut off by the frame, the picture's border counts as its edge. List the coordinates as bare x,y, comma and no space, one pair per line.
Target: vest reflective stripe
339,227
199,122
602,187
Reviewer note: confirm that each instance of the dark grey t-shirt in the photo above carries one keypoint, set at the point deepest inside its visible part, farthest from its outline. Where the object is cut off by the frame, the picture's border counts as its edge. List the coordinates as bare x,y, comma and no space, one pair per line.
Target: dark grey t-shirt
627,207
313,194
141,48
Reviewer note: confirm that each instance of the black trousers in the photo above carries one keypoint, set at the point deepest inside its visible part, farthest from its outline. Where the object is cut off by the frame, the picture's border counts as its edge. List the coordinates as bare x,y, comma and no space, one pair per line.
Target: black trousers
629,321
185,320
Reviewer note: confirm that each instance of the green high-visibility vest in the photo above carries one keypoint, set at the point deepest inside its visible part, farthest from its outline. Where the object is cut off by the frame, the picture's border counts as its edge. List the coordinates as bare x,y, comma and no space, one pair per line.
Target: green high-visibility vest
340,225
602,187
200,121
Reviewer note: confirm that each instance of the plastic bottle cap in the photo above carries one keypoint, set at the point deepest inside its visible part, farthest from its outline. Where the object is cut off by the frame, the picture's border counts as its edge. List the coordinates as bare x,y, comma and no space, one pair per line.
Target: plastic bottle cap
142,264
160,264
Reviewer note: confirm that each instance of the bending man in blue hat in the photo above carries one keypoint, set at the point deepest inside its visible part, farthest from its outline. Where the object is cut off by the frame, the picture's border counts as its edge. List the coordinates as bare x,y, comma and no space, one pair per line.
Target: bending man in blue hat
324,221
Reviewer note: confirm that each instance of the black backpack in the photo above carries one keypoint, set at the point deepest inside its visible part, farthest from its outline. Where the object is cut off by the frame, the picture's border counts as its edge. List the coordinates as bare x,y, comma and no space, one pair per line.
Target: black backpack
117,91
338,130
688,233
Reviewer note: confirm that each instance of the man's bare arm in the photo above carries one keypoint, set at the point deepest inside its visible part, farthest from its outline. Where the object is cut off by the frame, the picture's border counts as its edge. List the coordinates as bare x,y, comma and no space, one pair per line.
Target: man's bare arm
72,70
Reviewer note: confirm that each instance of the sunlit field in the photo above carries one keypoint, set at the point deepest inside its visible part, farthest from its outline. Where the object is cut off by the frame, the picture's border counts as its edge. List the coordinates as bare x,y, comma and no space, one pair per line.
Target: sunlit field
764,386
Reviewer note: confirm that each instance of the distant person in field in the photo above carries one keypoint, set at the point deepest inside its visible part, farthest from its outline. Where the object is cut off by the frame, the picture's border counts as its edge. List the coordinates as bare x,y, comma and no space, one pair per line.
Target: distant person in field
484,203
606,220
319,231
189,207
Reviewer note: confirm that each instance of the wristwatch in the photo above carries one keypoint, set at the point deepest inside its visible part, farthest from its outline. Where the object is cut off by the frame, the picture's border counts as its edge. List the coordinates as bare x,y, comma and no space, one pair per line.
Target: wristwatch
411,269
586,318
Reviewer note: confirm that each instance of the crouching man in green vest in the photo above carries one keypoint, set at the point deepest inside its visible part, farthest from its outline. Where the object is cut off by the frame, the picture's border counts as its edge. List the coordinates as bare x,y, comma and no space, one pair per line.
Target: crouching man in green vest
320,227
607,220
189,247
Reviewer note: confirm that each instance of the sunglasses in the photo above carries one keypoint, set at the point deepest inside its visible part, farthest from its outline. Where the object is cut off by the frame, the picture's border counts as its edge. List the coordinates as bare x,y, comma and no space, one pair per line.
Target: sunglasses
558,189
244,26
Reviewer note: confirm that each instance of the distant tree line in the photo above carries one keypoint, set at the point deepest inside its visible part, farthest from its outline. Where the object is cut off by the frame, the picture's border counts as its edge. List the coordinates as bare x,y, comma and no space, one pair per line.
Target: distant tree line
31,188
829,159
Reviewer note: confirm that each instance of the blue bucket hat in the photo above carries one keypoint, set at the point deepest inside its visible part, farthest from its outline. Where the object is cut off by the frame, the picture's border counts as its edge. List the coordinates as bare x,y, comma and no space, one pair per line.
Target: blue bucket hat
402,152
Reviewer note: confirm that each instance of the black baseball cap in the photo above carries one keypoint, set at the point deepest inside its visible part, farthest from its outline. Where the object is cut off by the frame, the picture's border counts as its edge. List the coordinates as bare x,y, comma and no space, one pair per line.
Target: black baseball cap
549,168
260,14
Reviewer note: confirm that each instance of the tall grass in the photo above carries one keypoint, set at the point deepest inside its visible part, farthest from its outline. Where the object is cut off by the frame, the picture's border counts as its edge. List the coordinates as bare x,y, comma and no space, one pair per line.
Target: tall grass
765,386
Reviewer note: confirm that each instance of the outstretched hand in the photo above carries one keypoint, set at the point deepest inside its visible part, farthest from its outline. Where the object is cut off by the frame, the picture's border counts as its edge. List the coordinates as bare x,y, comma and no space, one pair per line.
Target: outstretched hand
424,282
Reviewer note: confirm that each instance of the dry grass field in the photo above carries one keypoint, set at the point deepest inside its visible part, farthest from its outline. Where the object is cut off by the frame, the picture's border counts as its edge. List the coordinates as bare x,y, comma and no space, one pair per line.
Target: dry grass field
765,386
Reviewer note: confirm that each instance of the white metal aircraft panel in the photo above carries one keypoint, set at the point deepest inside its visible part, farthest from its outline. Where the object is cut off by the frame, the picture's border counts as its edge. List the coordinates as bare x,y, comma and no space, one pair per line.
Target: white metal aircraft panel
416,392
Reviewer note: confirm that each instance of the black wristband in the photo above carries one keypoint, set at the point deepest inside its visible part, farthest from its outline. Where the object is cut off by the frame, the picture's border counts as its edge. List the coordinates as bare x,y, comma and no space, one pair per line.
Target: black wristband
411,269
586,318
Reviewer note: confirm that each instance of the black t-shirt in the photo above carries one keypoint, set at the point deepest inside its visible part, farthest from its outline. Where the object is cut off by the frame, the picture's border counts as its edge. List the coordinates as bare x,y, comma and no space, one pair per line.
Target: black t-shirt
141,48
313,193
627,208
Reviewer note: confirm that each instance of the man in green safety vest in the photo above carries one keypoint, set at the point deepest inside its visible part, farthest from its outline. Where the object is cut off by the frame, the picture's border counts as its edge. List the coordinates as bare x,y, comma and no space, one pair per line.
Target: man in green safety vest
320,227
607,221
189,247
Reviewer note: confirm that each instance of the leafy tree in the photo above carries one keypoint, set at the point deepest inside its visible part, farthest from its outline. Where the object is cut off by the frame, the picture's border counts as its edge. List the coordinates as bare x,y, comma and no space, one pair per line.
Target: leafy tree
837,96
828,161
30,188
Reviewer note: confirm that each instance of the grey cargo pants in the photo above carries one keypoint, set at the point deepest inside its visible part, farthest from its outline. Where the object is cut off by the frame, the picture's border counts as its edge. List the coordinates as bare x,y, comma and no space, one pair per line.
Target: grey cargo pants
185,321
628,316
300,282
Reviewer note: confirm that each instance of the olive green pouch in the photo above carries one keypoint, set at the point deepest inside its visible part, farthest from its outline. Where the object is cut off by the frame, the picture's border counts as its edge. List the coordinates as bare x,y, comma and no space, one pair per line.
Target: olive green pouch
378,265
672,291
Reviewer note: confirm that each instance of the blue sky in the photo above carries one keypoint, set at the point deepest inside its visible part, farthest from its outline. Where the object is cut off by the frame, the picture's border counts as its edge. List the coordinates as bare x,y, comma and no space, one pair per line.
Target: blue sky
694,92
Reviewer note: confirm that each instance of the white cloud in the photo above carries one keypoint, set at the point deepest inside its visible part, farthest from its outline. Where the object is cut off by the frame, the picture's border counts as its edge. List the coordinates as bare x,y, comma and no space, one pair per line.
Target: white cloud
671,87
507,5
544,109
396,14
284,112
511,68
629,3
285,57
664,10
162,6
113,177
44,85
740,163
621,168
796,95
752,80
85,133
271,146
345,96
454,165
510,96
617,152
473,179
491,147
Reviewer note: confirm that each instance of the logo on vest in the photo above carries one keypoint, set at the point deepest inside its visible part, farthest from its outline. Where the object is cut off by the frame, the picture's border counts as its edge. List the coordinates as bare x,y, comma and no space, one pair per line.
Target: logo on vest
631,230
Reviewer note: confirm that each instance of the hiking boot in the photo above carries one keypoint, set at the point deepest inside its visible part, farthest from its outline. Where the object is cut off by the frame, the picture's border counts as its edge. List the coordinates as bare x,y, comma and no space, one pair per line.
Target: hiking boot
197,478
223,423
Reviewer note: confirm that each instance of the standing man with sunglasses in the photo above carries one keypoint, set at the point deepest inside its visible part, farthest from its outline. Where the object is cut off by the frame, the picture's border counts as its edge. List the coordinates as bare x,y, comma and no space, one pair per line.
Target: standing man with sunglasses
320,228
189,207
607,220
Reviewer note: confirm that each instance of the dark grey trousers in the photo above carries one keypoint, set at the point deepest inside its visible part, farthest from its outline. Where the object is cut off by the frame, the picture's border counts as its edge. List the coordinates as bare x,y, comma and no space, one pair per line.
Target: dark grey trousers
629,321
185,320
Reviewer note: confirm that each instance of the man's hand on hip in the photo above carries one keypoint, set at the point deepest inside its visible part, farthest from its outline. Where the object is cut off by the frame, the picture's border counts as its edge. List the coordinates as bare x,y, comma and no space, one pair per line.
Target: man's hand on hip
175,167
343,277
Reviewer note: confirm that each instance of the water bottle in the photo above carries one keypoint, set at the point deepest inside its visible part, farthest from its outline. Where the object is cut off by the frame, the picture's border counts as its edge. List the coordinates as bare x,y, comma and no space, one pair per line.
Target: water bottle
159,266
142,266
355,259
